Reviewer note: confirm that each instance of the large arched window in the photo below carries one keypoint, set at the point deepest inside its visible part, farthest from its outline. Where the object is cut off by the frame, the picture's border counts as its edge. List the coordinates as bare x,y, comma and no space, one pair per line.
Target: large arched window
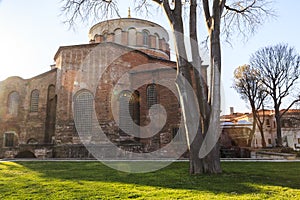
151,95
129,112
132,37
13,103
118,36
34,101
83,111
145,38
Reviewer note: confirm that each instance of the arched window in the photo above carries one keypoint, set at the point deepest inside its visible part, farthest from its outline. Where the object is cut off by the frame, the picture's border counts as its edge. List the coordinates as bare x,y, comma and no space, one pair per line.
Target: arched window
132,37
13,103
145,38
97,38
104,35
83,111
151,95
124,113
118,36
34,101
156,41
129,112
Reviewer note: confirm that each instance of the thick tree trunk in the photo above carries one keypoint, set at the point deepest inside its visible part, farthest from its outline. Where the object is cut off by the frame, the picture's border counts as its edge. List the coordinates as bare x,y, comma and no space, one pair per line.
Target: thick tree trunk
188,101
212,164
192,128
210,145
196,164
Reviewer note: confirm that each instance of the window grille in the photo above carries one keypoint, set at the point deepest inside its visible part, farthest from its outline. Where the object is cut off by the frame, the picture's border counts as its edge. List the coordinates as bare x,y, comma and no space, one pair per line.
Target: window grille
125,112
151,95
83,111
34,101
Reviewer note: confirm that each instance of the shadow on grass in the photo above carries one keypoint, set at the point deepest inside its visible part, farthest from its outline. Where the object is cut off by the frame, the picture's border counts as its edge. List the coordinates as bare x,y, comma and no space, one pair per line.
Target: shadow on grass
237,177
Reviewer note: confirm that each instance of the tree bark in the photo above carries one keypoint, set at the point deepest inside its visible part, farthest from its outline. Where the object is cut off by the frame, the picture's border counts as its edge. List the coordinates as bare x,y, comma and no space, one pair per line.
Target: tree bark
208,160
263,140
278,125
187,99
212,162
253,126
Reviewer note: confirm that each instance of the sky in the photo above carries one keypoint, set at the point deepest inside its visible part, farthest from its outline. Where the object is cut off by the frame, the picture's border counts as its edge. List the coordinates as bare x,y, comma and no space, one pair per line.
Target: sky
31,32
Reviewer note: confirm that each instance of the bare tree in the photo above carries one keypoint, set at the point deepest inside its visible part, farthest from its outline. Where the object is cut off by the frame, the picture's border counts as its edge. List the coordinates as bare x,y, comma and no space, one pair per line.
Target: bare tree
210,104
279,69
204,154
248,85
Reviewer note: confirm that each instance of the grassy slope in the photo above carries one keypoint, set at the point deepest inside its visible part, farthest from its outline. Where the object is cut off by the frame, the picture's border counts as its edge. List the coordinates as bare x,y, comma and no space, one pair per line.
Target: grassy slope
92,180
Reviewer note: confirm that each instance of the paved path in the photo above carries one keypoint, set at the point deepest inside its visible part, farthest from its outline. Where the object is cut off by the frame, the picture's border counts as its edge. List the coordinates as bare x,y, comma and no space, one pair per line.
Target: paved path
166,160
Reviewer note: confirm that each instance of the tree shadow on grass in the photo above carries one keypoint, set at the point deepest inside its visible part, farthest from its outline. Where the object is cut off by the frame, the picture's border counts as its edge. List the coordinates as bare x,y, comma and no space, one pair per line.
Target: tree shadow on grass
237,177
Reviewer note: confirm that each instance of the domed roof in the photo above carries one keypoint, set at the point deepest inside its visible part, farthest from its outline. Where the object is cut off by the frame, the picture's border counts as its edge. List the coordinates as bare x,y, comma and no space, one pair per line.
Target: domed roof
140,34
109,26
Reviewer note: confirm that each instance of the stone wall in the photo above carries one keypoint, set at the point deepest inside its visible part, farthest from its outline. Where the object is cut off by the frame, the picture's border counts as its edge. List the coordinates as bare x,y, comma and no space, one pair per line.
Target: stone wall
105,70
27,126
101,69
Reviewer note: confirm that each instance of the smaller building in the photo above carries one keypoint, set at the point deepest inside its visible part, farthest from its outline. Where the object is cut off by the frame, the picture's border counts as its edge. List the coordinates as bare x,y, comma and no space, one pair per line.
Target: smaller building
234,138
237,127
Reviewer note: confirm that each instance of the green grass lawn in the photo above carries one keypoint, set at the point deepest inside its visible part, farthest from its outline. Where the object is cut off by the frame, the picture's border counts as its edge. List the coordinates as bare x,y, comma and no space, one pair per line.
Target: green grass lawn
93,180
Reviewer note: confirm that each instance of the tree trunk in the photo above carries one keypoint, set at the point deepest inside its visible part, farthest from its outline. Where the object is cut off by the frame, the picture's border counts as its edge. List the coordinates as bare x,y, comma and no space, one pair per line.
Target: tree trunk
263,140
196,164
210,145
188,101
278,127
208,160
253,127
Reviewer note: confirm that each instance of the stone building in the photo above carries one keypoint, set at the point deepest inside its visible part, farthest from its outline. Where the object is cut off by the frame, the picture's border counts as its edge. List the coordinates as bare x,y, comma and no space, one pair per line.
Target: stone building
111,84
290,129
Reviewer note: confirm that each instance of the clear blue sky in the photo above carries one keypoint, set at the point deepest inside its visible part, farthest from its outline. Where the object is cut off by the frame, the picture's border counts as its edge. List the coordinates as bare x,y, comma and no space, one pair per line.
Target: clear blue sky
31,31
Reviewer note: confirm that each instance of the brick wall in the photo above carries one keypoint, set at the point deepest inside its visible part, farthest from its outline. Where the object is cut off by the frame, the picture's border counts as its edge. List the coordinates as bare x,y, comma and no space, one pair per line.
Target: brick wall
26,125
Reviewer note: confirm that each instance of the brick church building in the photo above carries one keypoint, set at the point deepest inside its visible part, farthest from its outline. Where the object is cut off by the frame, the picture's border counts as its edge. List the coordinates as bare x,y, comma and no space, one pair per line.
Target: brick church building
108,85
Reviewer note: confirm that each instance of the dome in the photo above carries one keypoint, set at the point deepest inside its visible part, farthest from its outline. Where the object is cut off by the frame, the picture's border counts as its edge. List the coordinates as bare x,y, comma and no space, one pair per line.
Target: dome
143,35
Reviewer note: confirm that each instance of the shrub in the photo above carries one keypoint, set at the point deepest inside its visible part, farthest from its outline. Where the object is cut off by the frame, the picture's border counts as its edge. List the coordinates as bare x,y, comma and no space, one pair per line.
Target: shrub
287,150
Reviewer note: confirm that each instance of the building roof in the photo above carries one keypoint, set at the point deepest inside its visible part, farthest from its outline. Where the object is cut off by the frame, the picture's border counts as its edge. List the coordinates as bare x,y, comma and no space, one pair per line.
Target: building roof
234,117
28,79
91,45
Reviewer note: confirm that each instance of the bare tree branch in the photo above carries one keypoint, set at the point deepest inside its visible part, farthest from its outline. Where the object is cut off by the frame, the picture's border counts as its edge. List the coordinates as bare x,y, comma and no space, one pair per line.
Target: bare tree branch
246,16
84,9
